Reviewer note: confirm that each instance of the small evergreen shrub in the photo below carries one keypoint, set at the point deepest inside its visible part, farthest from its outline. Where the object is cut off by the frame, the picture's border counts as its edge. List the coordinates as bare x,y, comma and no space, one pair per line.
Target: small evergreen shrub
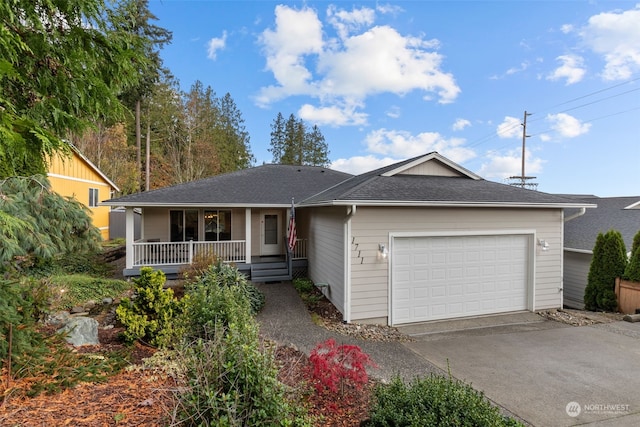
608,262
632,272
151,314
433,401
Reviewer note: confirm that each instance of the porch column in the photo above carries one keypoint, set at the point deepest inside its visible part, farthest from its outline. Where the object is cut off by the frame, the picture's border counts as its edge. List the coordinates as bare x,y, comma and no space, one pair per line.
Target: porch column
129,235
247,232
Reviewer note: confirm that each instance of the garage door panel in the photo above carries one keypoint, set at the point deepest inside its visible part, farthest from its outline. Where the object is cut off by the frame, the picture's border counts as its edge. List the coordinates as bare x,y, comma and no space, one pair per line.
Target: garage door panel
445,277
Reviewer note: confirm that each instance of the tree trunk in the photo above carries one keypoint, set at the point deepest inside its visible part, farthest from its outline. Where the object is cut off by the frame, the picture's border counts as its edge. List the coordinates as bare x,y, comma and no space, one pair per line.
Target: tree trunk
138,142
148,161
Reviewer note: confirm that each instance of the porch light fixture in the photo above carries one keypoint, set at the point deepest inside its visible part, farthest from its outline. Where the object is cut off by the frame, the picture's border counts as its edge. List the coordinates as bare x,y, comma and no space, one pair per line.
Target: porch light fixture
544,245
383,252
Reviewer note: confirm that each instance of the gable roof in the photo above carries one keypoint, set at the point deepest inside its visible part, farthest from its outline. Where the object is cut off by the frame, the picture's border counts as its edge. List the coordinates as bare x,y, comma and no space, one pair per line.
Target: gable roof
446,184
617,213
75,151
266,185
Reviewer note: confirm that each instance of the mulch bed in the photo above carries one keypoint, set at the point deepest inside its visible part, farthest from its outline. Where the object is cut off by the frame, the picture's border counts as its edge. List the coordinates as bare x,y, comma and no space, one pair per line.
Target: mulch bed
139,397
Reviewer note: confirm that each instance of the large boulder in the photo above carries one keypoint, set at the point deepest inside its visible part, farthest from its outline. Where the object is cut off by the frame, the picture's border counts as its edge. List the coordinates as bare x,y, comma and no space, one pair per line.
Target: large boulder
81,331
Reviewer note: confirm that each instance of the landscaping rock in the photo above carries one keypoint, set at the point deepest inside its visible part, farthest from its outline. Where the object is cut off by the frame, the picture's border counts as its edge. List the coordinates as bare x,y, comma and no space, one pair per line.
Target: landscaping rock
77,309
107,301
89,305
81,331
58,318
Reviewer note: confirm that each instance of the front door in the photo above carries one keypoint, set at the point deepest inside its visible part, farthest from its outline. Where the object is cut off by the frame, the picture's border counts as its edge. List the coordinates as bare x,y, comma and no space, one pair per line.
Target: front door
270,233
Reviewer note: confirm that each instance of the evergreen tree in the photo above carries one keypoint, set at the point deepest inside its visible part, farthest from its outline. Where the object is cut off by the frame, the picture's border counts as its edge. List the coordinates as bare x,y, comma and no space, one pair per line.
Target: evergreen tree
608,262
62,67
134,17
293,144
40,225
632,272
233,149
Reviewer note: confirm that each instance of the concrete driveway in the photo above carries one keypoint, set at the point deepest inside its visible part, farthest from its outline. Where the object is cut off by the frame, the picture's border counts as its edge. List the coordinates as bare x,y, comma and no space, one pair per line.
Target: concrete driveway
545,372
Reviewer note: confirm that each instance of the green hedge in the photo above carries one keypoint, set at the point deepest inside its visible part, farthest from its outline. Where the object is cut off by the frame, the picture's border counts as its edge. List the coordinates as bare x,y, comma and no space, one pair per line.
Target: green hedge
435,401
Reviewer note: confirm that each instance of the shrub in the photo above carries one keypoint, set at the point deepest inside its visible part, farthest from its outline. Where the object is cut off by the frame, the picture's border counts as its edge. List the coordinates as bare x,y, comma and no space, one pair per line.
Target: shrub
334,365
632,272
433,401
213,305
151,314
220,274
233,382
309,294
608,262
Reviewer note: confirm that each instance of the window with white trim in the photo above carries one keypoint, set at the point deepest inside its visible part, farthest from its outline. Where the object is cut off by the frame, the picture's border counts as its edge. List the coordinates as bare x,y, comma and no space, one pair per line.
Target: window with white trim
93,197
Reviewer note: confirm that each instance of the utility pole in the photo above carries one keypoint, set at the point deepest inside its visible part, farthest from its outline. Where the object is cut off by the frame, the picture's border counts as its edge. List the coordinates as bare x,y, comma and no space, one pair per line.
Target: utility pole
523,178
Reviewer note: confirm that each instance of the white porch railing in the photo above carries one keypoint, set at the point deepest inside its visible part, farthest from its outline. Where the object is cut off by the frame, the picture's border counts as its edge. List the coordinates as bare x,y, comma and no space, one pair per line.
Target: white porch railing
300,250
171,253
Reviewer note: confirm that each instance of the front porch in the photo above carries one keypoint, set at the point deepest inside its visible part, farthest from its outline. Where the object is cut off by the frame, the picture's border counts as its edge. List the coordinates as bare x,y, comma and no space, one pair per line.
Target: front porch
172,257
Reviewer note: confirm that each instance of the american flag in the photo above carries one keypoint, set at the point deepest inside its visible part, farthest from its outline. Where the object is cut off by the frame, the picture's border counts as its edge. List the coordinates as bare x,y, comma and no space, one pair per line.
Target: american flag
292,228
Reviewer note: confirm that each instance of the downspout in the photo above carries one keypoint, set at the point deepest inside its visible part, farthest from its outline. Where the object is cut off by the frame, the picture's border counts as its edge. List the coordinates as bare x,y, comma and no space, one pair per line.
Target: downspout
347,268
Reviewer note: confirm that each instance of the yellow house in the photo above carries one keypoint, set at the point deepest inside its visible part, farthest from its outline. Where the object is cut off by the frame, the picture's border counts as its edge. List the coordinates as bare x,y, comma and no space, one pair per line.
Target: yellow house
77,177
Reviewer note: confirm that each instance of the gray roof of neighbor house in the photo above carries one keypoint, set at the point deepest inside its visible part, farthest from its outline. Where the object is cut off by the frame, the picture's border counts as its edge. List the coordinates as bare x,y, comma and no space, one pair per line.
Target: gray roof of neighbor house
385,187
613,213
266,185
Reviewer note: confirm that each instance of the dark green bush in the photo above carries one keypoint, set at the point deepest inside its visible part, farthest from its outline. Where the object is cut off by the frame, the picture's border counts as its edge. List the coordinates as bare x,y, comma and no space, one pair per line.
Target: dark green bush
632,272
151,314
608,262
434,401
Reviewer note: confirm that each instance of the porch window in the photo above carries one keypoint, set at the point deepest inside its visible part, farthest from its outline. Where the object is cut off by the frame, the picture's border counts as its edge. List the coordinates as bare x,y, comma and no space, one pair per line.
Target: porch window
184,225
217,225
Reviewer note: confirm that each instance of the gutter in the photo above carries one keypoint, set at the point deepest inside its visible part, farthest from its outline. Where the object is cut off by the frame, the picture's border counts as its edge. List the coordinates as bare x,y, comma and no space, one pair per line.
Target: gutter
576,215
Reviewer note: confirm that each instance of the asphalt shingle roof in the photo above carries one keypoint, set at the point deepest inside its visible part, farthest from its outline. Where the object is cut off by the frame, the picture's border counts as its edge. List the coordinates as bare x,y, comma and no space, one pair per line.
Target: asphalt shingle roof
581,232
270,184
404,188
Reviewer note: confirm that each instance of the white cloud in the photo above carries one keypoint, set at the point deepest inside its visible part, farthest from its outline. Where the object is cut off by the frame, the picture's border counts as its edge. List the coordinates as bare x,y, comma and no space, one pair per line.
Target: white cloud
567,28
511,127
572,69
394,112
297,33
567,126
404,145
460,124
363,62
502,166
361,164
347,22
615,36
216,44
332,115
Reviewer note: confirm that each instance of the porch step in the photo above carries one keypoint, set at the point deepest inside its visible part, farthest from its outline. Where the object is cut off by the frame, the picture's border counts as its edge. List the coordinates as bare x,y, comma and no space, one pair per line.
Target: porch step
270,272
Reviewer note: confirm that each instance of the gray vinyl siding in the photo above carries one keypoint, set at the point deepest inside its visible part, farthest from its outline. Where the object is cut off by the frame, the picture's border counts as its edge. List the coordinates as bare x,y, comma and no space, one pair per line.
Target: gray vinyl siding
576,270
326,252
372,226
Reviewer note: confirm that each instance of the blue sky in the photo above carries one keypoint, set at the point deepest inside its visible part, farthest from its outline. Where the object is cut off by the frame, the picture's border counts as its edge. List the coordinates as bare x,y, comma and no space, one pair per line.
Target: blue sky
386,81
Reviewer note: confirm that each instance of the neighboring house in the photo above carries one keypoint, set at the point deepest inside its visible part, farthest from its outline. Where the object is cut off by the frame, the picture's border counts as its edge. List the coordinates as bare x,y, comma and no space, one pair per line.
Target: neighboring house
423,239
77,177
613,213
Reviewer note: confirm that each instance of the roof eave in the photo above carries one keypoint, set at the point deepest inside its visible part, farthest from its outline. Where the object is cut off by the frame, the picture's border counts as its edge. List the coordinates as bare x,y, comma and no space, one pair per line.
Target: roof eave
193,205
431,203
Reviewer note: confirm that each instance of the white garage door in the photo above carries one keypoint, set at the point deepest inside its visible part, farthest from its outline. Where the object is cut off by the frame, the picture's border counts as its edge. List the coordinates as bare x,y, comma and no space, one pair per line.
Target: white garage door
455,276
